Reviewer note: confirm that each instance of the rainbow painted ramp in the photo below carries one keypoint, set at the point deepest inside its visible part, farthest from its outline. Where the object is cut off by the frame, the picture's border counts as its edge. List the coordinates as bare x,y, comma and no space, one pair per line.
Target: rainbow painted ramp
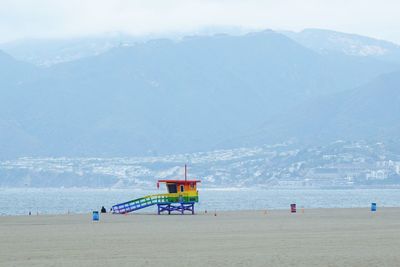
140,203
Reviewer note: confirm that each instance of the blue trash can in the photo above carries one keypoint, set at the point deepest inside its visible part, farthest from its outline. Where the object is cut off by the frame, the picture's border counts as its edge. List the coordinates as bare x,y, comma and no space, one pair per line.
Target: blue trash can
96,216
373,206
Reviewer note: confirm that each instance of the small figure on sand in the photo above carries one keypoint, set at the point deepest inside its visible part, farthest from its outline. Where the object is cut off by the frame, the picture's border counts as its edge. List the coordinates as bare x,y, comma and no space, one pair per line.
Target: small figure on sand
103,210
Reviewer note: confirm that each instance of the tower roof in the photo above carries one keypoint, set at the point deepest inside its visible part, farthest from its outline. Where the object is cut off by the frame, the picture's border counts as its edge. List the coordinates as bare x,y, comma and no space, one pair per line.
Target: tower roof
179,181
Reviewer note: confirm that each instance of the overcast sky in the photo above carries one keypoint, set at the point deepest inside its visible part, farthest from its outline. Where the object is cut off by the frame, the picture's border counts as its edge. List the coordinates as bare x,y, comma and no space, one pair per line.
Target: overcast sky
68,18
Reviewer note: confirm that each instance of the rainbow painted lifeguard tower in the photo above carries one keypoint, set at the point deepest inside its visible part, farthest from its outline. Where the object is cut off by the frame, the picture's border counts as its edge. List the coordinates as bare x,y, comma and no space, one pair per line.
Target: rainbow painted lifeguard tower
181,197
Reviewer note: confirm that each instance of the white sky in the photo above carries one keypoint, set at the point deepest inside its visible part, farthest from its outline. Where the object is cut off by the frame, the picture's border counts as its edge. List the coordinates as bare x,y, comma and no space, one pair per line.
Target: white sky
69,18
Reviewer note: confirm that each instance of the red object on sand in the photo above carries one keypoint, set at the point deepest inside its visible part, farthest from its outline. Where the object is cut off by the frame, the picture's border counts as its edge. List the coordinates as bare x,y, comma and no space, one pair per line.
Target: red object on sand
293,208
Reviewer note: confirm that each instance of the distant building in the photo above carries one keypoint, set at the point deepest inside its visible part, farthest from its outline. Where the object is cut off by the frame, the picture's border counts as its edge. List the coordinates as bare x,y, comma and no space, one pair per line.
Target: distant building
377,175
398,168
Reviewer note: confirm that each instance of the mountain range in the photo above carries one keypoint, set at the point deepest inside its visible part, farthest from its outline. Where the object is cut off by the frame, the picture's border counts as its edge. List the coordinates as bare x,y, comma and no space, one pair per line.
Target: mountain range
368,112
196,94
325,41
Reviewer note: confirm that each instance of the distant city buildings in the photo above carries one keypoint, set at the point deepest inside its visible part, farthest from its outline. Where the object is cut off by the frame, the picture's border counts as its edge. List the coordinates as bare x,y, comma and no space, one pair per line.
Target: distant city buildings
339,164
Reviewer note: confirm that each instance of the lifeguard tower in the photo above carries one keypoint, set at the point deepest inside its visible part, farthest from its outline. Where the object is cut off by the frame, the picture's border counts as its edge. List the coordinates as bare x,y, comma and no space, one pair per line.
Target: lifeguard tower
181,197
182,194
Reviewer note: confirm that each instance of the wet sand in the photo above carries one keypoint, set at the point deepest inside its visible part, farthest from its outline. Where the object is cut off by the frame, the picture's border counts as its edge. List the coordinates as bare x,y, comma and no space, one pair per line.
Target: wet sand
319,237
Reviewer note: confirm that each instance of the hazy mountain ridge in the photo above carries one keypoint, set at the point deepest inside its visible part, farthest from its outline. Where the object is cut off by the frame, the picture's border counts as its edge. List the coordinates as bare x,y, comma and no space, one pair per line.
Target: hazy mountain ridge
48,52
164,97
371,111
325,41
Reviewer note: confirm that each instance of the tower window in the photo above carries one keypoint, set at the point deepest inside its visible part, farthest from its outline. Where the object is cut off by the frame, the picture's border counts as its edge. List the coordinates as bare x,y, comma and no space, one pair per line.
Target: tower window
172,188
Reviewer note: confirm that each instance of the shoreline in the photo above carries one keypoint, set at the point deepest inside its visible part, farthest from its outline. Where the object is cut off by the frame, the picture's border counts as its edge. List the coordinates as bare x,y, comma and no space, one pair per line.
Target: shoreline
202,211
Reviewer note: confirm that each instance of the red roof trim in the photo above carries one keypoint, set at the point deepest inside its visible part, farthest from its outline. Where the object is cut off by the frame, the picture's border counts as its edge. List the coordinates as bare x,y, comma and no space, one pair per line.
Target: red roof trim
179,181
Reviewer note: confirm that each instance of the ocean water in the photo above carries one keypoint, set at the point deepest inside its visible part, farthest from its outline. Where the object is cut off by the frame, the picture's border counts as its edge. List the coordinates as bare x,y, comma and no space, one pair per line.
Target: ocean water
61,201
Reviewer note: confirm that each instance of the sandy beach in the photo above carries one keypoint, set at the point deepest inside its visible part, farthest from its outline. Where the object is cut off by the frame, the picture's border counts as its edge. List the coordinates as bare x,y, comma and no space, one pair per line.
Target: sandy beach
318,237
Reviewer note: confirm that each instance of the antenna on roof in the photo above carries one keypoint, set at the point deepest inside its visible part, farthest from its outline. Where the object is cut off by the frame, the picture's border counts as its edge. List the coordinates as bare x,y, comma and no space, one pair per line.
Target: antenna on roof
185,172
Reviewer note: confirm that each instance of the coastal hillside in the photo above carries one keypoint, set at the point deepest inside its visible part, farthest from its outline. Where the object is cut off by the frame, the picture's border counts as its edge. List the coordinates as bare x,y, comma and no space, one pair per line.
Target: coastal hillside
164,96
369,112
327,41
